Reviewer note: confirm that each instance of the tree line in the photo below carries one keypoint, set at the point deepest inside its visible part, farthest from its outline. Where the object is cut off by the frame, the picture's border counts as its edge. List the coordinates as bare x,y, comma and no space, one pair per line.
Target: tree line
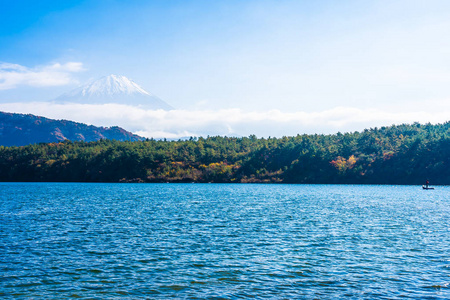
398,154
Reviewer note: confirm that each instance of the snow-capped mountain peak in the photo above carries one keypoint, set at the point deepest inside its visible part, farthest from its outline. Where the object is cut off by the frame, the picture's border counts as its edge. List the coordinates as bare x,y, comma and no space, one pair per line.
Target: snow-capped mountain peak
109,86
114,89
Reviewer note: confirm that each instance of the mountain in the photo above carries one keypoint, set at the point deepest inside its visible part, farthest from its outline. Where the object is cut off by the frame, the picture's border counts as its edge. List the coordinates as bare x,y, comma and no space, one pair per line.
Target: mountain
20,130
114,89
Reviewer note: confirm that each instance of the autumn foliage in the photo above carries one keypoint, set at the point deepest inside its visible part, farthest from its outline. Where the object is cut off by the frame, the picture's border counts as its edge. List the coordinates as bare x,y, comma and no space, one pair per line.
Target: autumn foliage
403,154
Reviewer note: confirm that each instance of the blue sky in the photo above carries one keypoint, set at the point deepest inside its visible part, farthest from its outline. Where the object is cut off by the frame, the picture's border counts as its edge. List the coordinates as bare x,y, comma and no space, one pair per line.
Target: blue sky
307,57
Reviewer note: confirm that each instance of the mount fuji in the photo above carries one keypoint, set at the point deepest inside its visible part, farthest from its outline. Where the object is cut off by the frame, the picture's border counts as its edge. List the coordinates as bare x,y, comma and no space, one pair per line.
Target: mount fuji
114,89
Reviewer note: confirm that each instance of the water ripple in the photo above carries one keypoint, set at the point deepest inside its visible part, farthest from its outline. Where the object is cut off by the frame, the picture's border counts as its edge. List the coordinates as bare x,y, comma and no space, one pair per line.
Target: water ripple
219,241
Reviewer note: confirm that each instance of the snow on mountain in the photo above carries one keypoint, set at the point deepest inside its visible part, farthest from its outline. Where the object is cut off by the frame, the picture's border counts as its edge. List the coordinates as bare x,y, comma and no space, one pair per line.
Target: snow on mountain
114,89
109,85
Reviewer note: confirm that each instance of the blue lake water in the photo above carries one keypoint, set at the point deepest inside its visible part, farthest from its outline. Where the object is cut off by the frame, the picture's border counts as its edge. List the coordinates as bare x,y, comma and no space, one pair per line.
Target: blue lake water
223,241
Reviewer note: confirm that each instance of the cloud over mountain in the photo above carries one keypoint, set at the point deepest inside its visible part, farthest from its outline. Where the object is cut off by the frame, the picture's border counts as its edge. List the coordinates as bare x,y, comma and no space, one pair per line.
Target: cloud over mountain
230,122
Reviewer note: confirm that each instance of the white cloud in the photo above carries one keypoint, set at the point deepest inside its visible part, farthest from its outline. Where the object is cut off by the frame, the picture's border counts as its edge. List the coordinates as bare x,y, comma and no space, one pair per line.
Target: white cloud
14,75
229,122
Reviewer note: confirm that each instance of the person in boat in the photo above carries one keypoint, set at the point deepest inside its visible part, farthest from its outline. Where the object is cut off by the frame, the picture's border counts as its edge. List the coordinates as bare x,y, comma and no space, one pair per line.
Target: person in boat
427,183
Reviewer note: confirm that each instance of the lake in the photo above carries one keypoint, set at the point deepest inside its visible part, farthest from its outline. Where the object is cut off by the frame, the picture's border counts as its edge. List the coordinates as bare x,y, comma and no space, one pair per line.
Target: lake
223,241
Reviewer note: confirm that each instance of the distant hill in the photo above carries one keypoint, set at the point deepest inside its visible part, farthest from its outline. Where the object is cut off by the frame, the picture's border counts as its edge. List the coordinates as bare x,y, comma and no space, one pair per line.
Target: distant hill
114,89
21,129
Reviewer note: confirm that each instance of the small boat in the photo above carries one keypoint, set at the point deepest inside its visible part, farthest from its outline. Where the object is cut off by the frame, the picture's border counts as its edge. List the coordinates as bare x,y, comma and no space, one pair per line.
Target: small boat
427,187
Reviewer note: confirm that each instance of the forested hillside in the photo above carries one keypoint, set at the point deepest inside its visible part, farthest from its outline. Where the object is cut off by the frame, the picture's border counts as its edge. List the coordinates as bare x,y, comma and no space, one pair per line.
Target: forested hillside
21,129
404,154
